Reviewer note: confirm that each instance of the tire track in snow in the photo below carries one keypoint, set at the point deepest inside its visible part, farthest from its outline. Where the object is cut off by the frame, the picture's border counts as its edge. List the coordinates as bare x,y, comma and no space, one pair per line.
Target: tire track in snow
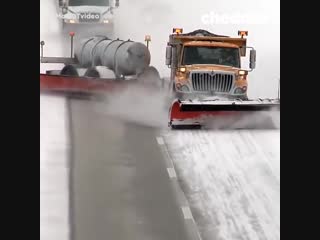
232,181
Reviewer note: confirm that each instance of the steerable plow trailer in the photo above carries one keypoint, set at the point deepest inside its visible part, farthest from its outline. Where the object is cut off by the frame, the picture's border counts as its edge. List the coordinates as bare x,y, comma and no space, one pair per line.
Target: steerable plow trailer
100,65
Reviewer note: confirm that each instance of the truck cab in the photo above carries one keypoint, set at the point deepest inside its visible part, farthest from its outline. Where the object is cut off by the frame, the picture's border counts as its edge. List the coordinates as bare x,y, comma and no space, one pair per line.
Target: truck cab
92,15
206,64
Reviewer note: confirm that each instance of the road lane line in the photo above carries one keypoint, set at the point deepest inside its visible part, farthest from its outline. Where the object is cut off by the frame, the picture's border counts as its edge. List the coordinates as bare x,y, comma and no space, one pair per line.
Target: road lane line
160,141
188,217
172,173
187,213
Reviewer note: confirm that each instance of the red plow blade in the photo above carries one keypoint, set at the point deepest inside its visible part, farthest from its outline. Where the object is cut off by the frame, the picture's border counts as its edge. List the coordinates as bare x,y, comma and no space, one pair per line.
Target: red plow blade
225,114
79,85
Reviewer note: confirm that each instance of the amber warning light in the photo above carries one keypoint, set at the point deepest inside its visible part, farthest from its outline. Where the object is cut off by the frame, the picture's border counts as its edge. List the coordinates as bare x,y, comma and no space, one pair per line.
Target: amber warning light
147,38
178,30
242,33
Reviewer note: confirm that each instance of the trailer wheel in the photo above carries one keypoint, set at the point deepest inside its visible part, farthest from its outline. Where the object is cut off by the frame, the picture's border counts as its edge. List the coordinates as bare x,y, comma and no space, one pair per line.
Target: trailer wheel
92,72
69,70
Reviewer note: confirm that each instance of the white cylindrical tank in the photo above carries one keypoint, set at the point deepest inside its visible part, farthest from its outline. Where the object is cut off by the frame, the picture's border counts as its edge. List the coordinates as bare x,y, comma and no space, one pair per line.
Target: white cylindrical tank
84,51
125,58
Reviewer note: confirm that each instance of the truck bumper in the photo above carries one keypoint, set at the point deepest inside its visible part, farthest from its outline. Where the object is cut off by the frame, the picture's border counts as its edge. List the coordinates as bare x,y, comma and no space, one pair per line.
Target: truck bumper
89,29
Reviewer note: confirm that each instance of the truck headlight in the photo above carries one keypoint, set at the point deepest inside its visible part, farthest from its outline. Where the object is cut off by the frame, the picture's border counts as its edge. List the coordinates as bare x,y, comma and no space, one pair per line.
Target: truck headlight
182,69
106,21
242,72
70,21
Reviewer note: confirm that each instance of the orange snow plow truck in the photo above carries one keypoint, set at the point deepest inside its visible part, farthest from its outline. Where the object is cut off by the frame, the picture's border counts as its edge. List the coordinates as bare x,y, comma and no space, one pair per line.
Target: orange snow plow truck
207,81
209,84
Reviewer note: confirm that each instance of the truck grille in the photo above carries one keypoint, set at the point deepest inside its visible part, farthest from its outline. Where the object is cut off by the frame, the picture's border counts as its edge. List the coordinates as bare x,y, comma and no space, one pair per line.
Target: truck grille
212,82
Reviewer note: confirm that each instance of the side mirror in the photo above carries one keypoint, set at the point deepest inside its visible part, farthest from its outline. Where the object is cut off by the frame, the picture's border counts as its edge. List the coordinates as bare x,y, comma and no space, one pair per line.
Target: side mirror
252,59
168,55
117,4
174,58
65,10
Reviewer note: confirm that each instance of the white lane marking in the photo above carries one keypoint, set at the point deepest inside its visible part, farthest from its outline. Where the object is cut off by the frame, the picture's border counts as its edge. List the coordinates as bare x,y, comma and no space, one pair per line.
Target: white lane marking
187,213
168,156
172,173
160,141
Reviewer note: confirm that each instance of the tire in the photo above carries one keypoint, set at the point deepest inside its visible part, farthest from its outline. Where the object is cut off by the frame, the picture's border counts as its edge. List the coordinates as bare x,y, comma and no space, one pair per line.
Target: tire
69,70
92,72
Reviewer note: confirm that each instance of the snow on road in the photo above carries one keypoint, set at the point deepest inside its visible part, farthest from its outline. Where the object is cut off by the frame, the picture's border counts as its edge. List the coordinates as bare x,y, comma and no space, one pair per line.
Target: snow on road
54,220
231,180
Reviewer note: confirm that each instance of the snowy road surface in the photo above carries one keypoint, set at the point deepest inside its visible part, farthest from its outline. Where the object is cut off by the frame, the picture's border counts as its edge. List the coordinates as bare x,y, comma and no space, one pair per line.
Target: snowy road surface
121,186
231,180
54,220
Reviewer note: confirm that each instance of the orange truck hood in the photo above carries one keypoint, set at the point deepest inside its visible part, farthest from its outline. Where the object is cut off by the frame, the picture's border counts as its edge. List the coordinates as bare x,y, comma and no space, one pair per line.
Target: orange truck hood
211,67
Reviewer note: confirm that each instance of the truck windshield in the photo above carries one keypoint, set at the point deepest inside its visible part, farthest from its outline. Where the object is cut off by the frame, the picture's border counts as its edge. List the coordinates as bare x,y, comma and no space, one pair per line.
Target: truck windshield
89,2
211,55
